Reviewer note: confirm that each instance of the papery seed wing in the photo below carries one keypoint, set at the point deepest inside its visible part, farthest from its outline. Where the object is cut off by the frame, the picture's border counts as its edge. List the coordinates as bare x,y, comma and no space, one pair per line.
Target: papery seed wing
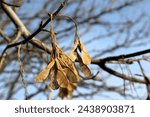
86,71
76,44
73,55
85,56
72,86
67,61
71,65
69,71
60,75
84,68
61,79
63,92
71,76
53,80
44,73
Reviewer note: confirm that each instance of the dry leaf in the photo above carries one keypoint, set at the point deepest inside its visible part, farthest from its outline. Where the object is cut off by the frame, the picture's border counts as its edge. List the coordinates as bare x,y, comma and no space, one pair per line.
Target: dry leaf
53,82
71,65
60,76
44,73
63,92
76,72
71,86
85,56
67,92
61,79
66,60
73,55
86,71
71,76
76,44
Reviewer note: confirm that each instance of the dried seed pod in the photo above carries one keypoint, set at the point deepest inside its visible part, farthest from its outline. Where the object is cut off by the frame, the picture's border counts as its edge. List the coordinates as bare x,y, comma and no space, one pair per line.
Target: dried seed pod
62,69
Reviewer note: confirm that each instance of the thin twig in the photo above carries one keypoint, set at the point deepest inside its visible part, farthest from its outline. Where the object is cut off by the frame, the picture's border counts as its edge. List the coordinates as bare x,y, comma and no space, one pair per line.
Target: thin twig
147,80
9,4
22,71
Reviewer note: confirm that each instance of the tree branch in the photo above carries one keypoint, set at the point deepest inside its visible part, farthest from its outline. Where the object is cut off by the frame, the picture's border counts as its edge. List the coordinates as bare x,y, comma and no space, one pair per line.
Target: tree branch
115,73
26,34
119,57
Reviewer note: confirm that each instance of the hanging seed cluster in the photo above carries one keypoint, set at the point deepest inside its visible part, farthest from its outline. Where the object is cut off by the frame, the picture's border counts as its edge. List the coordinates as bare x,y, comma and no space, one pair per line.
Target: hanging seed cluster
61,68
